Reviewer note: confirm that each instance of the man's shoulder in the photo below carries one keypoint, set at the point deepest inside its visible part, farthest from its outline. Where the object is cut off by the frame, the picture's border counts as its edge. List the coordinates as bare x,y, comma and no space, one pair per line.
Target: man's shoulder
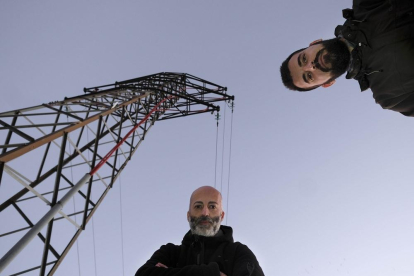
170,247
239,248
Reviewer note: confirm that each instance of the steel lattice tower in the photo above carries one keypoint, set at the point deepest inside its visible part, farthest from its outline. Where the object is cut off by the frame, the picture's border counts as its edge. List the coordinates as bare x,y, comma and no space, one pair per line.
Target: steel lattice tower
52,153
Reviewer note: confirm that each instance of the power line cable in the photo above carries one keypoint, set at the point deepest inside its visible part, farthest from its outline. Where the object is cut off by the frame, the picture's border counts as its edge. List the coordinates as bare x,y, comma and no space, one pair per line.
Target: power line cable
122,230
222,150
73,198
228,178
74,211
93,223
94,247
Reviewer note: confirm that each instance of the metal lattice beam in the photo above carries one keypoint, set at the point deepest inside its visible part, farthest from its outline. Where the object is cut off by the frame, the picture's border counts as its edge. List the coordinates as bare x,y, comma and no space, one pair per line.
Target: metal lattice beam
49,147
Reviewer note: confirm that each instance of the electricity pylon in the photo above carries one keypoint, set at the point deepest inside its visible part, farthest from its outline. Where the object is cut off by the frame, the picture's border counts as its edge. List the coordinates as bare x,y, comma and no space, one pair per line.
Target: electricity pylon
75,149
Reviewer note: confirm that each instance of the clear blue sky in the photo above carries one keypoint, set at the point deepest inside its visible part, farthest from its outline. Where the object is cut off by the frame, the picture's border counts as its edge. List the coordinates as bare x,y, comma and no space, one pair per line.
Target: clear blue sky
321,183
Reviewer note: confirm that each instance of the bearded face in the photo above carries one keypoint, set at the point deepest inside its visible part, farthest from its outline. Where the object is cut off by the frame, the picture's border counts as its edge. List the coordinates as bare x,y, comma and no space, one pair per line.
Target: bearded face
205,225
317,65
205,212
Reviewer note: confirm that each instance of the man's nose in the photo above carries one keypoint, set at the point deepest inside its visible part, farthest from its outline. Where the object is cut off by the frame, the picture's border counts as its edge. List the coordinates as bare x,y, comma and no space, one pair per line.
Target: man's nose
205,211
310,66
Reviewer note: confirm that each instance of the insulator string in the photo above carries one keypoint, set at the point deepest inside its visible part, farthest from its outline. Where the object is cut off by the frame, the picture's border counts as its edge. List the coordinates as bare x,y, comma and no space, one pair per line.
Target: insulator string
215,165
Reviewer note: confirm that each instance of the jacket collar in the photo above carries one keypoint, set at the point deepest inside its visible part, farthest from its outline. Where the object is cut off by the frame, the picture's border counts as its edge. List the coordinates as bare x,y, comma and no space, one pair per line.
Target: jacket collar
225,234
355,64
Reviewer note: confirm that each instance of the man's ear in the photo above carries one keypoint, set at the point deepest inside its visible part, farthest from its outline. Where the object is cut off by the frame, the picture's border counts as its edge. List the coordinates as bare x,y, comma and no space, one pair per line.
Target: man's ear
325,85
188,216
222,215
314,42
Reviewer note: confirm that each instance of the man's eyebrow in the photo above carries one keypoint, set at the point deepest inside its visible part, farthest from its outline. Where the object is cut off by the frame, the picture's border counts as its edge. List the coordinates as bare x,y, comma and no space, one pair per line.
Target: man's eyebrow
299,62
200,202
304,78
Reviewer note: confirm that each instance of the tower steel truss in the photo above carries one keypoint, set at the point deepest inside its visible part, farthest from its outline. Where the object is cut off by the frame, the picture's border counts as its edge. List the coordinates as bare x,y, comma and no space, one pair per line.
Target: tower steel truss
75,149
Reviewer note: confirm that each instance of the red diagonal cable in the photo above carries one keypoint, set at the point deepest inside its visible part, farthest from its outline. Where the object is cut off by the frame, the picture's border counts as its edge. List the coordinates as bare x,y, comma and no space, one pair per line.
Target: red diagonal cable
109,154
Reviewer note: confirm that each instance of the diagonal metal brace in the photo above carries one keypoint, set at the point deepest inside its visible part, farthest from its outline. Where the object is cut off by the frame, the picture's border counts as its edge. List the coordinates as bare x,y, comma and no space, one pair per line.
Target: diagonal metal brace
18,132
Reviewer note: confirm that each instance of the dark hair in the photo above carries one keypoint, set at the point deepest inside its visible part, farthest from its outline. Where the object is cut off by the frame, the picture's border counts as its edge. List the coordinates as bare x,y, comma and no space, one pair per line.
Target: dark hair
287,77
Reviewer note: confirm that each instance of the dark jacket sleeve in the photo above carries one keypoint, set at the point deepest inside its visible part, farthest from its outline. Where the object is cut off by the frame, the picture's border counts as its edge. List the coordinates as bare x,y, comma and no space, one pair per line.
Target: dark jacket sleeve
245,263
403,104
168,255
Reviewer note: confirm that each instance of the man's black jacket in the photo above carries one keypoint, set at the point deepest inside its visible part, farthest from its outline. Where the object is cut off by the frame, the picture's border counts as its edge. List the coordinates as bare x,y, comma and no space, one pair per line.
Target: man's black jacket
383,59
203,256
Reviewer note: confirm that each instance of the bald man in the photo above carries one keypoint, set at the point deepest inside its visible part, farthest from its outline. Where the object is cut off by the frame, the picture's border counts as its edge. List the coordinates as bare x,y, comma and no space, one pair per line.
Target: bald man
207,249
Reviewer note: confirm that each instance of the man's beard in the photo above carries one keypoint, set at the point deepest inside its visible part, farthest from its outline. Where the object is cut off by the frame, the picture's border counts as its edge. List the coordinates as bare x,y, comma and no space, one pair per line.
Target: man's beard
335,55
207,230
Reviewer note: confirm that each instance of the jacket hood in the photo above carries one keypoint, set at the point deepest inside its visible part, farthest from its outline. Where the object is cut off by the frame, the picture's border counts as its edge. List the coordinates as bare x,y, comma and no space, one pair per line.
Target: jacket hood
227,236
